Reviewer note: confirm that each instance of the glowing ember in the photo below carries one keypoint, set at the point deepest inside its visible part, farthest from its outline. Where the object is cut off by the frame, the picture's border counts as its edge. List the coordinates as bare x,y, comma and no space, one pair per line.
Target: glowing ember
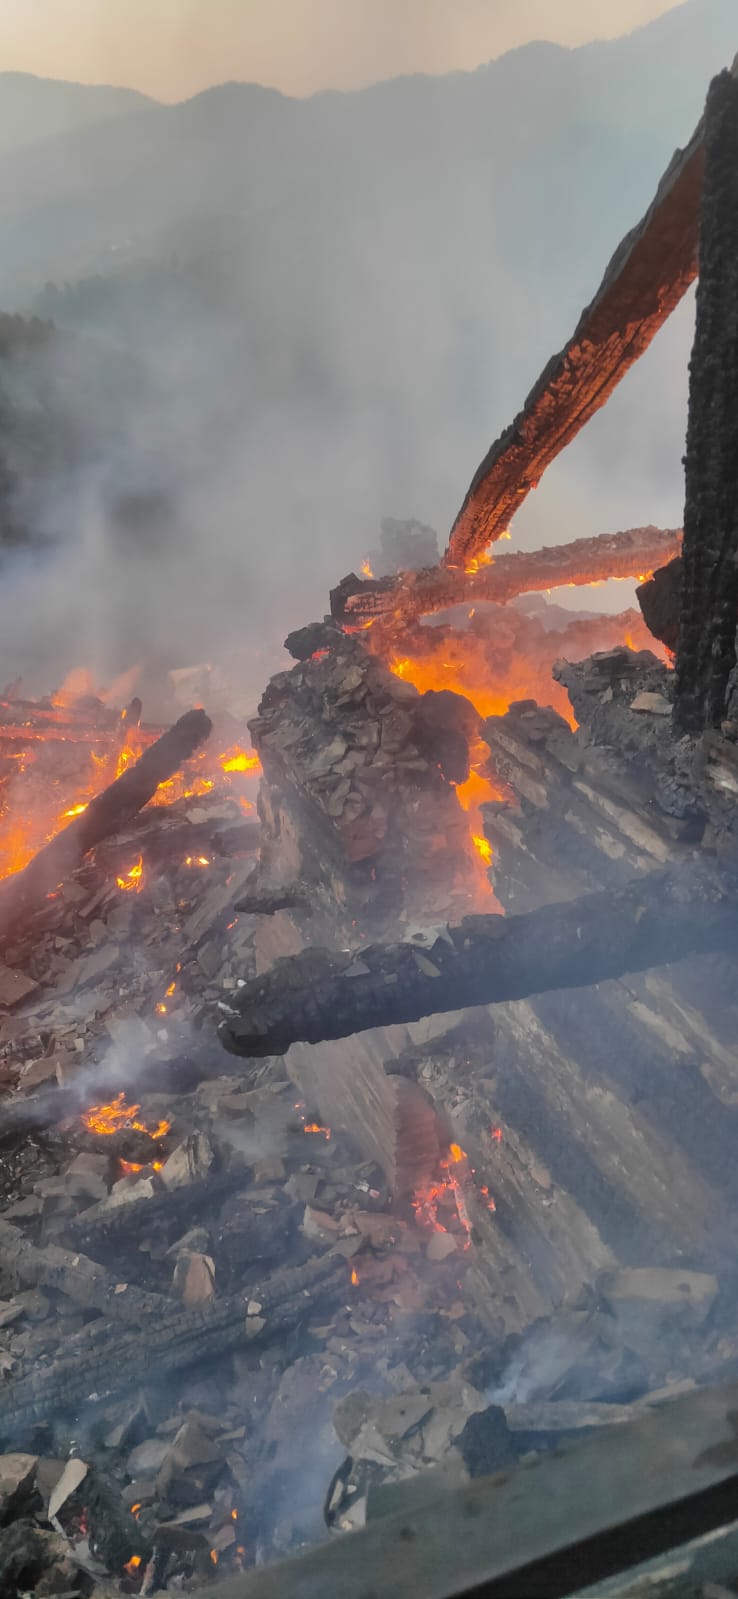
214,1556
240,761
119,1115
315,1127
455,1181
132,1565
133,880
76,810
354,1277
197,860
126,758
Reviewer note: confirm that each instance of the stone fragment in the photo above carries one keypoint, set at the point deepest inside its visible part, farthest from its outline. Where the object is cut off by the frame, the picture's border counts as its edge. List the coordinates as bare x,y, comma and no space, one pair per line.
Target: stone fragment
147,1456
440,1246
655,703
643,1296
73,1475
16,1477
319,1226
194,1278
14,987
192,1158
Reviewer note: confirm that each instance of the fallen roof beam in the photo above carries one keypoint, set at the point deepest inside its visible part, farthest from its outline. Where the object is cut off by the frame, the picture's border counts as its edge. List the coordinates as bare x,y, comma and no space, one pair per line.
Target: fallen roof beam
485,960
649,273
635,553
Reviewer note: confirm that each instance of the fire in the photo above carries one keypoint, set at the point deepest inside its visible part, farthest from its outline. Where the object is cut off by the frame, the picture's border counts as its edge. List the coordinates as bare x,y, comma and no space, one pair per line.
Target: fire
354,1277
315,1127
240,761
456,1179
197,860
485,559
119,1116
126,758
76,810
483,848
133,879
132,1565
463,662
214,1556
366,570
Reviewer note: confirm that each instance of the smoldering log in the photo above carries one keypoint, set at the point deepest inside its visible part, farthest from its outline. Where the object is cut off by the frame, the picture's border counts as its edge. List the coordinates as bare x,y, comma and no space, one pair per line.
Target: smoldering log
82,1280
320,995
632,553
649,273
103,1360
109,812
706,653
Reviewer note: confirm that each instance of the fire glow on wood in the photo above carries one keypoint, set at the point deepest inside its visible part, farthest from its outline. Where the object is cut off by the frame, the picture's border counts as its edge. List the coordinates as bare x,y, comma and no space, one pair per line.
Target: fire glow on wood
455,1180
117,1115
57,754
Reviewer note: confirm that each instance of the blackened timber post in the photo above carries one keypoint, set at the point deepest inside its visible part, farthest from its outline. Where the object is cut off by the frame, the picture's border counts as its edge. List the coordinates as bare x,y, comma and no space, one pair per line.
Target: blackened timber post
706,652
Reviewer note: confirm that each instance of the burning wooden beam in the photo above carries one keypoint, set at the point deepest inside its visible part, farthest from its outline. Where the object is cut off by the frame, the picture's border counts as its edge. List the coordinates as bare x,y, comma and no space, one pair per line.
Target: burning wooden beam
108,813
706,654
649,273
485,960
635,553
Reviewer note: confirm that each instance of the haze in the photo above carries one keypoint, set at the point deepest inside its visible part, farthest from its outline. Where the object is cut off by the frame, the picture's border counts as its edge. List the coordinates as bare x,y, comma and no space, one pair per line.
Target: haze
173,48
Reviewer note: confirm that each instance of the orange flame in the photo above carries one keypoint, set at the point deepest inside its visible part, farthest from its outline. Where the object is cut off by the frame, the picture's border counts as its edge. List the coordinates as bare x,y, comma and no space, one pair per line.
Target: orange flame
240,761
132,1565
315,1127
366,570
118,1115
133,879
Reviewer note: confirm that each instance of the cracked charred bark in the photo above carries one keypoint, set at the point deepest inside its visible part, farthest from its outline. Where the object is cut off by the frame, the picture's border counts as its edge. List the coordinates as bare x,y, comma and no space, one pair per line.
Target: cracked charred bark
707,651
487,959
646,278
630,553
105,1359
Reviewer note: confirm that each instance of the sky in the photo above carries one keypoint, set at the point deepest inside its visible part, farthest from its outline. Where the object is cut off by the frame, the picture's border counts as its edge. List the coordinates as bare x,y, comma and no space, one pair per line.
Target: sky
173,48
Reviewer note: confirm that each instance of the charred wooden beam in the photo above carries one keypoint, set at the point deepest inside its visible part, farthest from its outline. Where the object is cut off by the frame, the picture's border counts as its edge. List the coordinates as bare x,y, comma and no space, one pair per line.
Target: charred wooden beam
105,1360
82,1280
633,553
110,811
650,271
706,653
319,995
